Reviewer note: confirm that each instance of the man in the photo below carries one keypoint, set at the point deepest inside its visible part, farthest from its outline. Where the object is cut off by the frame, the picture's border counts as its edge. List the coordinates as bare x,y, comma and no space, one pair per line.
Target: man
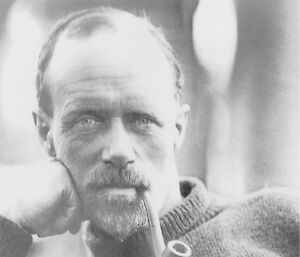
111,118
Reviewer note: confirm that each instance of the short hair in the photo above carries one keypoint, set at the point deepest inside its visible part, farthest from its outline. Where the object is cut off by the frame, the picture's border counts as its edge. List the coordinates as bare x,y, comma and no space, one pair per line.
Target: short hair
83,23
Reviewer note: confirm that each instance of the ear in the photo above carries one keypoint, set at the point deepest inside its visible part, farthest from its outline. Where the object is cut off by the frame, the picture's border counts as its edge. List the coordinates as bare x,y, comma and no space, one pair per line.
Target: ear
43,124
181,124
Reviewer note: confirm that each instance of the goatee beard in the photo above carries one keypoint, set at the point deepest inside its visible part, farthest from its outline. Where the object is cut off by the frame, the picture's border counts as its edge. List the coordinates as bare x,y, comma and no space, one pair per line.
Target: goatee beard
122,223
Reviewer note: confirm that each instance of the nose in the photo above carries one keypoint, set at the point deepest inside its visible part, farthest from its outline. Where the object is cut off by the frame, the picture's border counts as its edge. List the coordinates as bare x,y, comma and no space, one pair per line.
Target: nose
118,148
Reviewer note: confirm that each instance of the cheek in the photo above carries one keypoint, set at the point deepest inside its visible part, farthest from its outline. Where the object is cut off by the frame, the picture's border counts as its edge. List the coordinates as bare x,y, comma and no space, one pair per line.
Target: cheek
75,155
158,153
159,156
158,149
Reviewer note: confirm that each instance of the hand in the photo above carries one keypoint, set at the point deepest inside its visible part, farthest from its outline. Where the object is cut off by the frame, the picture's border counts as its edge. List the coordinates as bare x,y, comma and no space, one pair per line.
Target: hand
41,198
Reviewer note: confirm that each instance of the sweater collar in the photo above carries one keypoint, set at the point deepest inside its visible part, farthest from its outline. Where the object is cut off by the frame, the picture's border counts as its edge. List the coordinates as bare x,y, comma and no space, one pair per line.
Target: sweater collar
194,210
191,212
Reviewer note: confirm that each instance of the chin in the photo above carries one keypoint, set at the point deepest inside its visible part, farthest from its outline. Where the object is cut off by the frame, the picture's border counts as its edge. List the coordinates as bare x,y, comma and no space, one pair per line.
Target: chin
119,216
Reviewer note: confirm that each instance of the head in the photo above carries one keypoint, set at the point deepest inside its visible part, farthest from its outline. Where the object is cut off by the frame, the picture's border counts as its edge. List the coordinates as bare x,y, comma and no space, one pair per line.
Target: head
108,89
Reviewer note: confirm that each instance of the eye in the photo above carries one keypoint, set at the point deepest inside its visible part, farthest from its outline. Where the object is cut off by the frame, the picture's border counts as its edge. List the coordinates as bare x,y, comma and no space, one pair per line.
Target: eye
142,123
143,120
88,124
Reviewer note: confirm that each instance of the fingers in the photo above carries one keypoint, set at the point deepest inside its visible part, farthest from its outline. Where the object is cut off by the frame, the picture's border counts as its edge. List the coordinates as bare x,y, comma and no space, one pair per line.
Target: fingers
57,227
74,223
61,224
75,226
74,212
66,211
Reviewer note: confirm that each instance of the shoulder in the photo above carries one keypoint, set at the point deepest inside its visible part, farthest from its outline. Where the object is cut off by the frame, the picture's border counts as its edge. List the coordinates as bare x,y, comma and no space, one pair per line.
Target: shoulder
277,202
271,213
259,224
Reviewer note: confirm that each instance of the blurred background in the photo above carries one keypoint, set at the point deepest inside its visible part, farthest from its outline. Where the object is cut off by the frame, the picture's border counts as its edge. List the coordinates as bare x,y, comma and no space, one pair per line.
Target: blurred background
241,62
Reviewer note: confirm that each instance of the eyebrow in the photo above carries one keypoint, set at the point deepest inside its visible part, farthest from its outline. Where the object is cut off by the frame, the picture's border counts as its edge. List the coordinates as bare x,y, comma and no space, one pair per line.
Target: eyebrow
76,113
81,104
98,107
100,102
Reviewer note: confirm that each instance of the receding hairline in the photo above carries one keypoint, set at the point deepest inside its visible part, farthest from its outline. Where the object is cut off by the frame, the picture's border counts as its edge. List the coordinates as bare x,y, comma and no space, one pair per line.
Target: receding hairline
84,24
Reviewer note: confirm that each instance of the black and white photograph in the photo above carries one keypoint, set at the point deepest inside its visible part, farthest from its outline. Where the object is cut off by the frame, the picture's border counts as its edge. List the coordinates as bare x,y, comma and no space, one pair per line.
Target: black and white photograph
149,128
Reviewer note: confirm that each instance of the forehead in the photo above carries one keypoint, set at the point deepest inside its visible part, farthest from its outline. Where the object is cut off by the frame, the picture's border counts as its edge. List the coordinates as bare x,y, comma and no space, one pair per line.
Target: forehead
107,60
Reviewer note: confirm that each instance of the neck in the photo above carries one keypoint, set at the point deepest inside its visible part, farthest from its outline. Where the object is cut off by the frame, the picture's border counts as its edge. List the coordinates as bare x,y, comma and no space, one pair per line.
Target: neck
173,197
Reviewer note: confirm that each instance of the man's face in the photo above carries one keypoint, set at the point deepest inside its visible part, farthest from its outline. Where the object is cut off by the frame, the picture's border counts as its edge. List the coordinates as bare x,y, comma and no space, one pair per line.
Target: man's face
114,124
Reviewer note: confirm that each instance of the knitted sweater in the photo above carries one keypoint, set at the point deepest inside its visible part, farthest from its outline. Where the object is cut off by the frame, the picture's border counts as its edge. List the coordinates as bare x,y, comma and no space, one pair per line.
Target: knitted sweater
264,224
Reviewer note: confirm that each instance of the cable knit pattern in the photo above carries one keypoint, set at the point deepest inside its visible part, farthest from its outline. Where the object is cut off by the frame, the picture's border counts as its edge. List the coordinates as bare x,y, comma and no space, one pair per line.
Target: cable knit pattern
264,224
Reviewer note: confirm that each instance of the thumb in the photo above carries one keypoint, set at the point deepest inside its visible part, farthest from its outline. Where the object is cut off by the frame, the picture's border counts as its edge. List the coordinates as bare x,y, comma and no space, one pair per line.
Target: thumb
74,211
74,223
75,206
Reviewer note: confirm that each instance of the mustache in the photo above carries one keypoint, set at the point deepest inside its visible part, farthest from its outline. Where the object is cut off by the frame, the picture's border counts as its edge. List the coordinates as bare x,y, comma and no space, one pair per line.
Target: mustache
110,176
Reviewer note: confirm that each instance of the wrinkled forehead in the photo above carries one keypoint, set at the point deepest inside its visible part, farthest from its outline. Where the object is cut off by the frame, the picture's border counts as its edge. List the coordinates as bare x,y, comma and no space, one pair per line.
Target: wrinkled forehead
107,57
125,46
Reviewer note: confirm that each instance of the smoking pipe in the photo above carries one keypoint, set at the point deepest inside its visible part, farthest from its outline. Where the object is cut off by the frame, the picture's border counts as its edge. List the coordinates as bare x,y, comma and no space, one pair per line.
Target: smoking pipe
174,248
